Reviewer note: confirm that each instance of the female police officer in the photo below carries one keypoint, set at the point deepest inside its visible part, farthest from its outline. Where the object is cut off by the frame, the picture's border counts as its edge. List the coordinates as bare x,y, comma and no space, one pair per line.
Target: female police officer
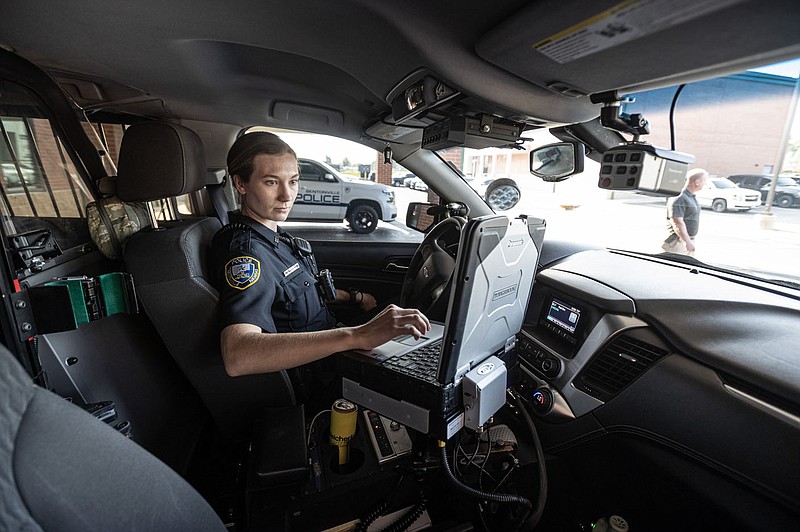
272,315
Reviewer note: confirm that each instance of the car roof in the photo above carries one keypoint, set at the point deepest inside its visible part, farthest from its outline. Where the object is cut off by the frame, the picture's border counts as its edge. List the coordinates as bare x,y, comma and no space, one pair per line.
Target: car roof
336,67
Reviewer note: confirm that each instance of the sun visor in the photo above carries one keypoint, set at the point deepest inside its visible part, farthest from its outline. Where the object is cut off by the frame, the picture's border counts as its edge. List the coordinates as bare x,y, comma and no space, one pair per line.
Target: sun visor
640,43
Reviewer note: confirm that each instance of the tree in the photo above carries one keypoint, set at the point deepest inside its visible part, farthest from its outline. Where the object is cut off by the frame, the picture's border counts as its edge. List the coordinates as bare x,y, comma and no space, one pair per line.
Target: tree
328,159
345,162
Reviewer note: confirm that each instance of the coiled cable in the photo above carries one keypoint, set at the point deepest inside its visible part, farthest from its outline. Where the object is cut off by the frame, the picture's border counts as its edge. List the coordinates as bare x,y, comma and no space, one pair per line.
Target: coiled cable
472,492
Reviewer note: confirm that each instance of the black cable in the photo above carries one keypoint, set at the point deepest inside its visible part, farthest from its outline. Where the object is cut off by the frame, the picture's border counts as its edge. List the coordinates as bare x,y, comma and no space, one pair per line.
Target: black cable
408,518
471,459
380,508
485,458
507,476
370,517
494,497
533,519
672,116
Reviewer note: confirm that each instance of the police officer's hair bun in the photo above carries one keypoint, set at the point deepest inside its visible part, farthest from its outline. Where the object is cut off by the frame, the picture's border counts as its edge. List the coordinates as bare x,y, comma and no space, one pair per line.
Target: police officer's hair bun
246,147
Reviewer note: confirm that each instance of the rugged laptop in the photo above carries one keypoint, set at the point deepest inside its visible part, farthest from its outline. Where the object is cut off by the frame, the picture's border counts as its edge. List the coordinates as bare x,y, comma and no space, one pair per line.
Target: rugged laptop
418,383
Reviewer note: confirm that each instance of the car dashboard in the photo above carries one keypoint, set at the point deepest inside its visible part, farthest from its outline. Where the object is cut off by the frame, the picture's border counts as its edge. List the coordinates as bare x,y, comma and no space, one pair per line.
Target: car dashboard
686,368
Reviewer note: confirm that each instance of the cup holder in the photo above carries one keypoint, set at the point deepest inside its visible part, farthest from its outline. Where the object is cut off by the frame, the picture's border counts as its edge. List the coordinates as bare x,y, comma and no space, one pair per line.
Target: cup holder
354,464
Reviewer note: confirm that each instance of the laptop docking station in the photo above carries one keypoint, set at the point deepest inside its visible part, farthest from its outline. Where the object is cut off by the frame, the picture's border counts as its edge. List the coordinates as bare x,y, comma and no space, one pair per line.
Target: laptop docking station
484,391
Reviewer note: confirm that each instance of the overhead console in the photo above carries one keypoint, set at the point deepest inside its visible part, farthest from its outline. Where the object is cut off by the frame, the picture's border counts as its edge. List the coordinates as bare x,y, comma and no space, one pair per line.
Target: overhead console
480,131
421,96
428,110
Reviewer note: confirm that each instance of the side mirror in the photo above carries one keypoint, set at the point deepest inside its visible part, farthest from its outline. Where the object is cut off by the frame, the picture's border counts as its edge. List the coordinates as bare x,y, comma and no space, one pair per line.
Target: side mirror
557,162
329,178
421,216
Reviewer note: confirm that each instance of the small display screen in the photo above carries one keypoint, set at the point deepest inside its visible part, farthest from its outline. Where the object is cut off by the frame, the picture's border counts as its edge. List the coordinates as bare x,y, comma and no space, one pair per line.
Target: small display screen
563,315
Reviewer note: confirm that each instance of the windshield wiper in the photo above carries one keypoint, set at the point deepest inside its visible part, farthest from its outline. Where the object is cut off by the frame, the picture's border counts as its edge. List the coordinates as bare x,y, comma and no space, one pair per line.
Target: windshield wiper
683,259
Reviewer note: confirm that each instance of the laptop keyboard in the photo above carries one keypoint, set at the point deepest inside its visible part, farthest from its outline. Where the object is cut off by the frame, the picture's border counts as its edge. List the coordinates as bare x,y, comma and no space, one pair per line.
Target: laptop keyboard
421,363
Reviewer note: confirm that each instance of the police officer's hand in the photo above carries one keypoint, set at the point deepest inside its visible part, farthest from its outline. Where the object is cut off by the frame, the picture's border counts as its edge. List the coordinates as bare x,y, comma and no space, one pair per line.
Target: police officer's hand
366,302
392,321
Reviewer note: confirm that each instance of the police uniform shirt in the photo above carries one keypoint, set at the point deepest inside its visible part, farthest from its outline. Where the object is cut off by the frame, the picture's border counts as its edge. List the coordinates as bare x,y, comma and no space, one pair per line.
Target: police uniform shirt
262,282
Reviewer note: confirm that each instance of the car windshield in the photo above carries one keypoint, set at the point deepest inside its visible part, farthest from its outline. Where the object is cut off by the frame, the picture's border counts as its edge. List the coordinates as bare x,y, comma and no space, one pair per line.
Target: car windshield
746,225
720,122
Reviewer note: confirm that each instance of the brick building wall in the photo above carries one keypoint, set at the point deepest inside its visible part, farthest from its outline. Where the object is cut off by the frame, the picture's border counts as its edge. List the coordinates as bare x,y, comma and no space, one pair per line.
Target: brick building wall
732,125
383,171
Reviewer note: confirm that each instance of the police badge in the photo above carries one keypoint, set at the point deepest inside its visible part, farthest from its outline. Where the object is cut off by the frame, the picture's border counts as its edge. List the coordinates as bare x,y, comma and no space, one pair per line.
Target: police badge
242,272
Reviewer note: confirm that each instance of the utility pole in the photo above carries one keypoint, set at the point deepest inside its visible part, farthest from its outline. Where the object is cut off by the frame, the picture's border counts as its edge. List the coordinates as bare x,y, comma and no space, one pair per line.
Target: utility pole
767,220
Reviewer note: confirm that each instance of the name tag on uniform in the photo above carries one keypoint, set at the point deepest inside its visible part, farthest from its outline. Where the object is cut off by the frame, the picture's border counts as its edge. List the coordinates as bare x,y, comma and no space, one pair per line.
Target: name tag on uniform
288,271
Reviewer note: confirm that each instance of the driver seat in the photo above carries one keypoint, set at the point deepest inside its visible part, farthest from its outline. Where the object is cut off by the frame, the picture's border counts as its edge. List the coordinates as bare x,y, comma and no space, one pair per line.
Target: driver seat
169,265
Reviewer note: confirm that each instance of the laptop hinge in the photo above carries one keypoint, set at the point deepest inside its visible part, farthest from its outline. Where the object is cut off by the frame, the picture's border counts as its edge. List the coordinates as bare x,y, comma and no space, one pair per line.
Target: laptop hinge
460,372
510,343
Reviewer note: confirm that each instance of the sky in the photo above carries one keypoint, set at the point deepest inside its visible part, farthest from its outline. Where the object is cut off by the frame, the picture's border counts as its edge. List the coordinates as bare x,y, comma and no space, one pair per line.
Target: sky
789,69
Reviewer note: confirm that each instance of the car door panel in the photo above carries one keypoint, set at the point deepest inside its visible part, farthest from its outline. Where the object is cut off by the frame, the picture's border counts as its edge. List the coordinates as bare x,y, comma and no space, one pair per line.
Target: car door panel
379,269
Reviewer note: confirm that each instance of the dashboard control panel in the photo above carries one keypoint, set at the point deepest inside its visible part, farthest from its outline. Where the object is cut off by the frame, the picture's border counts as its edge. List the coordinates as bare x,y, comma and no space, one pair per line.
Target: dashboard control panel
537,358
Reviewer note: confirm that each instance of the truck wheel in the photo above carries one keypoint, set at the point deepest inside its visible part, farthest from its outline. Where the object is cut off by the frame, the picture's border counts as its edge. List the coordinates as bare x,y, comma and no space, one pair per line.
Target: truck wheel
363,219
719,205
784,201
502,194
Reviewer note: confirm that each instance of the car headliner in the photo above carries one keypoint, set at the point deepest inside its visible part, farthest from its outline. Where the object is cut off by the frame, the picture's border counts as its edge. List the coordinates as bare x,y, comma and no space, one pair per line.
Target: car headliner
334,67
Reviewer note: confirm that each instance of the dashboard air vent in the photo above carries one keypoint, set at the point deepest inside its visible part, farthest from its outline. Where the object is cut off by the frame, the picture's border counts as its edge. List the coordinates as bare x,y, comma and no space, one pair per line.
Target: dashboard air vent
618,364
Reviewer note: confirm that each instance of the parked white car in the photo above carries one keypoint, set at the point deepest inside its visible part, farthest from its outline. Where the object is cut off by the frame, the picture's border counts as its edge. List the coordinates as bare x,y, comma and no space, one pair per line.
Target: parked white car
416,183
327,196
721,194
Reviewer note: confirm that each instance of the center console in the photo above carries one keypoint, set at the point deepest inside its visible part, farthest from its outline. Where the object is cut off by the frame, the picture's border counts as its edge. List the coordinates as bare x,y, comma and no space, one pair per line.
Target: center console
337,495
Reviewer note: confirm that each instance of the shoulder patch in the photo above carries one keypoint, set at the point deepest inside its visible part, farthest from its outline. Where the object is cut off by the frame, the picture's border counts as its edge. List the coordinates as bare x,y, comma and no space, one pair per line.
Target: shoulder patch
242,272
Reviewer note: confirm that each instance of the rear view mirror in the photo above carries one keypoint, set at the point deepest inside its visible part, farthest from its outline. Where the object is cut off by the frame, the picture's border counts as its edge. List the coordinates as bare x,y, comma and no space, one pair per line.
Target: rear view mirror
557,162
421,216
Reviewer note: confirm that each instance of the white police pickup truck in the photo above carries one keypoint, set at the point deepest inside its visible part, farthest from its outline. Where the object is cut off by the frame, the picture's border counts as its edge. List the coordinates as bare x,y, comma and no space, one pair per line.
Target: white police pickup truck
327,196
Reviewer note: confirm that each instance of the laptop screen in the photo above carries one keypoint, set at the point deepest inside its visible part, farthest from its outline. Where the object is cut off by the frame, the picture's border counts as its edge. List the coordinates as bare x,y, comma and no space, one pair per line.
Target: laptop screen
492,283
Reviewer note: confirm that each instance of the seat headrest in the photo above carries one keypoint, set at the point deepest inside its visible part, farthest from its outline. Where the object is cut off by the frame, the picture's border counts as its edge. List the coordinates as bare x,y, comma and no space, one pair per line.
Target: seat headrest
159,160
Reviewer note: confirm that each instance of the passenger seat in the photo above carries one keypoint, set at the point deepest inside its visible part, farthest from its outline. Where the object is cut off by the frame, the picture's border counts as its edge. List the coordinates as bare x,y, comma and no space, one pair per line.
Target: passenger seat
62,469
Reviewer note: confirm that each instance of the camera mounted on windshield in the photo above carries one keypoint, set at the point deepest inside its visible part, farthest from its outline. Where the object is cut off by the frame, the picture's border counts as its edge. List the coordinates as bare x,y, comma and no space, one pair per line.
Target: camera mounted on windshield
637,165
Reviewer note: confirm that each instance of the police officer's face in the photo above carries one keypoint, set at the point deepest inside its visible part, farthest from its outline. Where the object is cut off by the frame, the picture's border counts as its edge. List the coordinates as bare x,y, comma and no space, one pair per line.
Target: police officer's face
270,192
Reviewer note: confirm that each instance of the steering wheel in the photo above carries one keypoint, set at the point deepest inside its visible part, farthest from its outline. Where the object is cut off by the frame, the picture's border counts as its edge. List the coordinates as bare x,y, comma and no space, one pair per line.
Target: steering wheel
427,283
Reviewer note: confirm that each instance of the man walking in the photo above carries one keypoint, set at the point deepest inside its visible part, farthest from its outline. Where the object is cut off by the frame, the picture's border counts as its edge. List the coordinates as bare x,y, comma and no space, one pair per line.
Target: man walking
683,214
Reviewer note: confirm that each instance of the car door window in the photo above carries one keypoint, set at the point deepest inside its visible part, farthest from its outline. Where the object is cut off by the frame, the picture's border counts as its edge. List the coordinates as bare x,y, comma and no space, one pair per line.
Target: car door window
41,187
338,177
309,172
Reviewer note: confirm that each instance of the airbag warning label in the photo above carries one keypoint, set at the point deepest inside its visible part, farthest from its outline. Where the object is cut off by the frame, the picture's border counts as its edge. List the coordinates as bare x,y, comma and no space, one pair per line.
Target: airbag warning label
624,22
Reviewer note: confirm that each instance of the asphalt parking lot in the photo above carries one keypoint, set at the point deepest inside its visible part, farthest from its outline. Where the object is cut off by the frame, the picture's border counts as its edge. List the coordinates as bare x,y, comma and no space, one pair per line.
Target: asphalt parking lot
635,222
